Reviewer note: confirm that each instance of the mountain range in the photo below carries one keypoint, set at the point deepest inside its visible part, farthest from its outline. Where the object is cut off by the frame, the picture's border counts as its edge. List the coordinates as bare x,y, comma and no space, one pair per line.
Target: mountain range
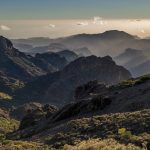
117,44
136,61
57,94
111,43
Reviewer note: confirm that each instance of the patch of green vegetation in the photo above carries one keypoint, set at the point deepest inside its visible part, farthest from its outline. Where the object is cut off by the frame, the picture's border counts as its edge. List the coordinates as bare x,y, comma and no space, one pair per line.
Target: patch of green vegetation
143,79
17,85
21,145
127,83
8,125
133,82
4,96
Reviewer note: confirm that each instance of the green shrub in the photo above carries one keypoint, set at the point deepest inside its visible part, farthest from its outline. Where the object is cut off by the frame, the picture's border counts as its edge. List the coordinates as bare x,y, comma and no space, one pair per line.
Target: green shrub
5,96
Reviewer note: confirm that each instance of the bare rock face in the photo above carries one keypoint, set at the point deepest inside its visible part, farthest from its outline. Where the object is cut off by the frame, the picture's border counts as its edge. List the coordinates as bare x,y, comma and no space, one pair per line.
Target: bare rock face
5,43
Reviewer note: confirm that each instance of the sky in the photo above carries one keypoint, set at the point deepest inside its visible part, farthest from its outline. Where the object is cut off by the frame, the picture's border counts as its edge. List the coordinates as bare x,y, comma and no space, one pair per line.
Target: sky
73,9
55,18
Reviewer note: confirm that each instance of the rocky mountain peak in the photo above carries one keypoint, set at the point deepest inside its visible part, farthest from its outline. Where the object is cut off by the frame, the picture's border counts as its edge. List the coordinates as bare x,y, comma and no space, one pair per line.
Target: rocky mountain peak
5,43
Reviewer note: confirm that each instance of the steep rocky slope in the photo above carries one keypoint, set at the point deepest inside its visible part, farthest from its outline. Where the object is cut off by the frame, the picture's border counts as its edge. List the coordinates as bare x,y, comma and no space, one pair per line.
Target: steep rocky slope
16,64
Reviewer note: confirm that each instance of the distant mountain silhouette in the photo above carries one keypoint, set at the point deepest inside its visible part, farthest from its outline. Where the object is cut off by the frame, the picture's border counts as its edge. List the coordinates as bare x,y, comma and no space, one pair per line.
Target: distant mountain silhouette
35,41
53,47
111,42
141,69
133,59
84,51
68,55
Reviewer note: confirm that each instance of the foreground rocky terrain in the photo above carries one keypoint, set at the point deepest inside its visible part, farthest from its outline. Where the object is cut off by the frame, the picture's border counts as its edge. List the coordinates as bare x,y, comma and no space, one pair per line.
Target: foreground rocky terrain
124,130
117,114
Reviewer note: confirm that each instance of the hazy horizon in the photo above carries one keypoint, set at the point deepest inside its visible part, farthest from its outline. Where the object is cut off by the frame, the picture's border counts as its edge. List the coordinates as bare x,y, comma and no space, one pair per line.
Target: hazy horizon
53,19
60,28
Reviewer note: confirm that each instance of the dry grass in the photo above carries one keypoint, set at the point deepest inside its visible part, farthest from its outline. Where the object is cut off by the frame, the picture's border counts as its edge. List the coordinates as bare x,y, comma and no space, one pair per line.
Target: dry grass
8,125
21,145
136,125
98,144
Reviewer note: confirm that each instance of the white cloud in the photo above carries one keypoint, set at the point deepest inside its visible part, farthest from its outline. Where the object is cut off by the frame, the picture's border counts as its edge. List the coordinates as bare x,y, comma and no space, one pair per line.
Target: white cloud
99,20
4,28
82,23
50,26
143,31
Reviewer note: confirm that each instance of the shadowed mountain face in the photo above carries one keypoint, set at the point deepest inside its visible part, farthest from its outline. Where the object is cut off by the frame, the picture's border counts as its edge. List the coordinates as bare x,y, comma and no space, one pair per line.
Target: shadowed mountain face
58,88
16,64
16,67
24,67
52,58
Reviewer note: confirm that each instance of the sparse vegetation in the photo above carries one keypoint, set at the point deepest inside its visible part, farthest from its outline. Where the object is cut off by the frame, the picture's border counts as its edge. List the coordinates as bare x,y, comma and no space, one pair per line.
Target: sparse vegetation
18,84
8,125
128,129
21,145
132,82
98,144
4,96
